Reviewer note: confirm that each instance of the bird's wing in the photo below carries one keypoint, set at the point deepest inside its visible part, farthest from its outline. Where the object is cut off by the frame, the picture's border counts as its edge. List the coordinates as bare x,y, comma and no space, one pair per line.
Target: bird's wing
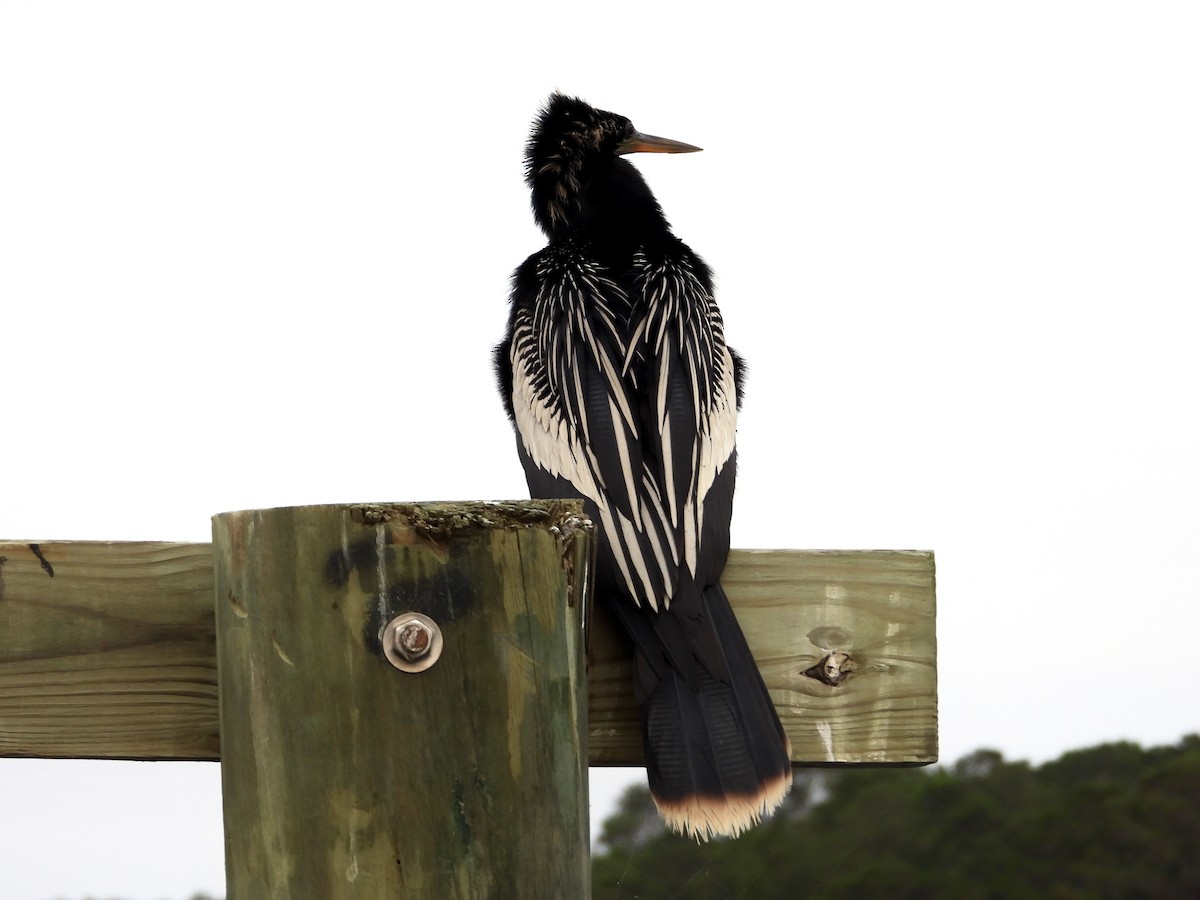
688,390
573,409
640,423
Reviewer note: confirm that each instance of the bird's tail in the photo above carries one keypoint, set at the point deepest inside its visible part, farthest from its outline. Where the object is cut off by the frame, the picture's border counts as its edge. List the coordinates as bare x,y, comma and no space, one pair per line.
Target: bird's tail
717,758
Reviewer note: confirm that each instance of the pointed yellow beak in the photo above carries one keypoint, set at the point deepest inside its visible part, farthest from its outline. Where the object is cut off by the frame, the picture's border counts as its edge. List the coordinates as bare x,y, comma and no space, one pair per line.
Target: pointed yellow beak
648,143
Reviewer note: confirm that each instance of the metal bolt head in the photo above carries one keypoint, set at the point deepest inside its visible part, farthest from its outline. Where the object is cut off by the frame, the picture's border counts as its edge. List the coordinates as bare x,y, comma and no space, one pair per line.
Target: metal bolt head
412,642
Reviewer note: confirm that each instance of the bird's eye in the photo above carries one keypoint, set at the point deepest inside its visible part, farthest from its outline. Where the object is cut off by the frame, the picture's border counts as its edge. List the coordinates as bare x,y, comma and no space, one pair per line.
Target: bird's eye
629,130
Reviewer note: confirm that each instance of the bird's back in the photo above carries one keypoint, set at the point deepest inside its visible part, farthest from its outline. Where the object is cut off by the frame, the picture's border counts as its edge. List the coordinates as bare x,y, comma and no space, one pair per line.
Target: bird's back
624,356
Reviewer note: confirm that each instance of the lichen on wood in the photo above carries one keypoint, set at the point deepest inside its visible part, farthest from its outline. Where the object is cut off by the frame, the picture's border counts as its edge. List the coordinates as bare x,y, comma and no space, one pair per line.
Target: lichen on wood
442,520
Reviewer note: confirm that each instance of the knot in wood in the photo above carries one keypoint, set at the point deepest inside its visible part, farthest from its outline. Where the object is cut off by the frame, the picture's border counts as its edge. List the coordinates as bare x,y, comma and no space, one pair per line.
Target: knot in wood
835,668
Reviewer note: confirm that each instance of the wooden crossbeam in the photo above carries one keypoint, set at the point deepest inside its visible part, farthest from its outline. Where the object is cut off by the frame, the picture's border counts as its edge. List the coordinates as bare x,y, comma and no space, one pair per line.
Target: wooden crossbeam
108,650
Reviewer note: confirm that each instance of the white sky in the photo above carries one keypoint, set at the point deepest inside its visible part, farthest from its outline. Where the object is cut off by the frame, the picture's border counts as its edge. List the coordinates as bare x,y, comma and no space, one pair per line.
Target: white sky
256,254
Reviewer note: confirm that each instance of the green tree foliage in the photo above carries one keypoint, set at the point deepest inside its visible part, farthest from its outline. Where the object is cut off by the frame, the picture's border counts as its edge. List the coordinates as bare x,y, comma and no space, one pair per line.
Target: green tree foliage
1112,821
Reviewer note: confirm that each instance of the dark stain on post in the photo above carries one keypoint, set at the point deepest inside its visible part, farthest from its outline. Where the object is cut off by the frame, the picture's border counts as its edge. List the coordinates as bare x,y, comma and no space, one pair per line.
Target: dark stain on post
444,595
421,567
358,556
337,568
37,551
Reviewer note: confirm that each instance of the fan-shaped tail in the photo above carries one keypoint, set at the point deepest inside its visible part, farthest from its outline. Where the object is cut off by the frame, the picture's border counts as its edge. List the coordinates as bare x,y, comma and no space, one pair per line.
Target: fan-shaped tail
717,757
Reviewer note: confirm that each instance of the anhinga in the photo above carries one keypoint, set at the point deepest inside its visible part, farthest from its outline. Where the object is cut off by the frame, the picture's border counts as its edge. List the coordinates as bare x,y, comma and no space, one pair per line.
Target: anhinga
623,392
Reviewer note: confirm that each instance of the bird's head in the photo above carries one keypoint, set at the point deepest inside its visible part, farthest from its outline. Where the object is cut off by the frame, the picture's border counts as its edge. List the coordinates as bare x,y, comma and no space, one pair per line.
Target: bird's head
574,154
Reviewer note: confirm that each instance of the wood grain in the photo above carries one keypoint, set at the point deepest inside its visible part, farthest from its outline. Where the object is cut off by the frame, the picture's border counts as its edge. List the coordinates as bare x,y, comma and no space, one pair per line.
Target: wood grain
345,778
114,656
874,608
107,650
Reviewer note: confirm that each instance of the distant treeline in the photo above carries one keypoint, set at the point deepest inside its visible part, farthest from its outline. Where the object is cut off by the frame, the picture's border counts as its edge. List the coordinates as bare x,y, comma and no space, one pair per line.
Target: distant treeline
1111,821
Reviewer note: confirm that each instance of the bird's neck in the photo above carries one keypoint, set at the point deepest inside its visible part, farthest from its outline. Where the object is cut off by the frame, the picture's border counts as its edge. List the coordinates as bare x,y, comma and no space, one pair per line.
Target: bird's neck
611,203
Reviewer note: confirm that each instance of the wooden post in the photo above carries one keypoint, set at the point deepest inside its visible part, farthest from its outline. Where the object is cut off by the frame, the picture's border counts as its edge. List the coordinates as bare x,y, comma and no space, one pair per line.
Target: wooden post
344,777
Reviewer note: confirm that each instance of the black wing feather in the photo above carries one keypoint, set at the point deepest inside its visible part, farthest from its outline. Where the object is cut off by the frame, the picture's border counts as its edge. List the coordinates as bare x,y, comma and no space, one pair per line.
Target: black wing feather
625,394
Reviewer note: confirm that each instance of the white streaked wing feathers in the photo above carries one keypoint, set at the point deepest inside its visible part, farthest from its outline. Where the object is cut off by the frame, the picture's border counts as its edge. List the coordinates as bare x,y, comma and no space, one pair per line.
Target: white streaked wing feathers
654,528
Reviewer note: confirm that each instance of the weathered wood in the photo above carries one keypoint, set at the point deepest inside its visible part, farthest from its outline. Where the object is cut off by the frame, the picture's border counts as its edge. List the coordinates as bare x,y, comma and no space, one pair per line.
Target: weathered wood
107,650
872,611
114,656
344,777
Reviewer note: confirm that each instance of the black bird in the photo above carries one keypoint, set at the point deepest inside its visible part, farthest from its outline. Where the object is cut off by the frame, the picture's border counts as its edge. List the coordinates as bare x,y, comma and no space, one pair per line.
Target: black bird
622,391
